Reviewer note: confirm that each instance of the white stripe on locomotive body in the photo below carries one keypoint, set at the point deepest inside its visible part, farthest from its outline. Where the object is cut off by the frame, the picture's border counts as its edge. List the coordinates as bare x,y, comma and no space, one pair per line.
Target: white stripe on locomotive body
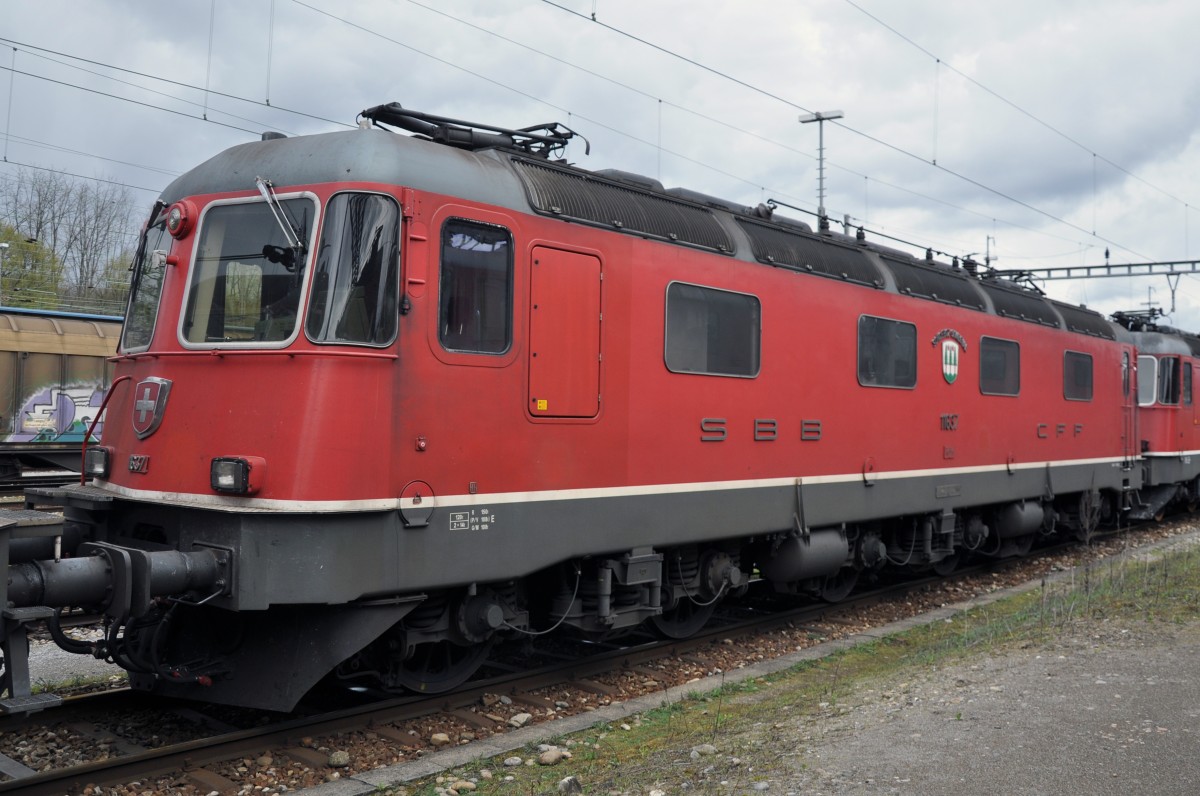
226,503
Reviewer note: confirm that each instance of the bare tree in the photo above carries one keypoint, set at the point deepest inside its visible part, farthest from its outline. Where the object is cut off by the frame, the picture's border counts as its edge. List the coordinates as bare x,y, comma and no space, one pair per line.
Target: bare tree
30,275
100,222
86,227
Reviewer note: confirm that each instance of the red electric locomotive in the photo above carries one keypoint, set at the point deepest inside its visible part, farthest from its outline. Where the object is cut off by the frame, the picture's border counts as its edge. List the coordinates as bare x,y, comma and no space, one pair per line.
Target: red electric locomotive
1168,427
382,399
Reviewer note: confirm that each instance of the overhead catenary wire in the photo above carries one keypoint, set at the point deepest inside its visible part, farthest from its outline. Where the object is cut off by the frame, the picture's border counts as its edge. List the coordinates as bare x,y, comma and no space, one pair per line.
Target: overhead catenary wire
168,81
874,139
664,102
147,89
8,115
1016,107
92,155
655,145
154,191
635,138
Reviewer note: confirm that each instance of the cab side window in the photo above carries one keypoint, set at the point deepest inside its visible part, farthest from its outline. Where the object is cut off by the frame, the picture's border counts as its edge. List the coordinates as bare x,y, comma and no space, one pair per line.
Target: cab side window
475,305
1168,380
1147,380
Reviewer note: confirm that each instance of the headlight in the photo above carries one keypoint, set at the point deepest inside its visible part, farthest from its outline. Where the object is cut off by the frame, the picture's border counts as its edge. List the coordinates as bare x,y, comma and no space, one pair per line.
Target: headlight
96,461
237,475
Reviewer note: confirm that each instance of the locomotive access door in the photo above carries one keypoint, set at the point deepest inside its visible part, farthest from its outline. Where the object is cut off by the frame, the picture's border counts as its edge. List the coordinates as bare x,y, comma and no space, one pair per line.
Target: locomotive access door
1129,431
564,334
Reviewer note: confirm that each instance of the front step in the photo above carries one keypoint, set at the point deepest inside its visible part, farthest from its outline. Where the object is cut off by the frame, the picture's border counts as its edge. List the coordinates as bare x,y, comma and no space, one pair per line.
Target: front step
29,704
18,696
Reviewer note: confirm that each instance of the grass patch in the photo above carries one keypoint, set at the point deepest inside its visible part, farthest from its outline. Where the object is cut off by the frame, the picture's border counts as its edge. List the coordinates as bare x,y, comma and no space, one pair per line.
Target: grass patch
726,740
81,684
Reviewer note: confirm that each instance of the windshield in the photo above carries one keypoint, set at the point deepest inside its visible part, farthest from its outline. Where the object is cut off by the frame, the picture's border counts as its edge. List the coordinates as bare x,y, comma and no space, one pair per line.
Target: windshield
355,281
243,287
145,286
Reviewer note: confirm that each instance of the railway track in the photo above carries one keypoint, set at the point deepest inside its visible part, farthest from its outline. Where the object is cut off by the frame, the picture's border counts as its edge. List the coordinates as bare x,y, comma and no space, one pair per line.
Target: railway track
200,749
203,761
12,489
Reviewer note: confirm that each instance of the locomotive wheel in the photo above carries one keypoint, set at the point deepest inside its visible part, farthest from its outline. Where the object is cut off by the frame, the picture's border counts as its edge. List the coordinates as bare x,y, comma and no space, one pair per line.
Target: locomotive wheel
1021,545
947,565
684,620
439,666
838,586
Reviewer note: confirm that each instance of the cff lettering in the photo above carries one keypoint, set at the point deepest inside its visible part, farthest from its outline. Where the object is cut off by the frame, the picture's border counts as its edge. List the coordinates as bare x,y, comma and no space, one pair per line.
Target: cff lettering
1060,430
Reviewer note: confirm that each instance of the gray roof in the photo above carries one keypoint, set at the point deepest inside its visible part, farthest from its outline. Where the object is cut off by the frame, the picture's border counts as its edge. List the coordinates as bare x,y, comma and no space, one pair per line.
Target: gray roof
367,155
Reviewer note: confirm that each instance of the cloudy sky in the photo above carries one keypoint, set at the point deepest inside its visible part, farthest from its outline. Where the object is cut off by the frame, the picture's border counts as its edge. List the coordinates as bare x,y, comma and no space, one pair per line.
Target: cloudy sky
1045,133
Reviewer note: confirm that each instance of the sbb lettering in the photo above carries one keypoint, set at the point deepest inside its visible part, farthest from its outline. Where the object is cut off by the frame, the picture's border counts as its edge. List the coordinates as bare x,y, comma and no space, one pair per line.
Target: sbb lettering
764,429
712,429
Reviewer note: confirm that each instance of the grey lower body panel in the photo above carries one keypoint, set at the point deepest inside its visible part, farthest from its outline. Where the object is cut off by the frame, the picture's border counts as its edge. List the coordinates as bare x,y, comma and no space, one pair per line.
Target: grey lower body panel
321,587
337,558
1171,469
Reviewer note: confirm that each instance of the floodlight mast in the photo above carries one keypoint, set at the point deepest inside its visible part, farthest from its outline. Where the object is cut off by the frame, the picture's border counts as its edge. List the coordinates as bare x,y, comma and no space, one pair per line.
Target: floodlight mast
820,117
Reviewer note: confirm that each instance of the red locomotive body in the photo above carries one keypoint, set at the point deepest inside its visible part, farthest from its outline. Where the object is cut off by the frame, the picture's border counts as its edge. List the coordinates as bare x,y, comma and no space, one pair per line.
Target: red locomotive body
388,399
1168,427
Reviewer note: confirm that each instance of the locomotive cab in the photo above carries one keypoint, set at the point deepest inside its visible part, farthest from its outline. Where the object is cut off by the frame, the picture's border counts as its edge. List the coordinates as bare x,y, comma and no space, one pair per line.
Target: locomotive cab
1169,430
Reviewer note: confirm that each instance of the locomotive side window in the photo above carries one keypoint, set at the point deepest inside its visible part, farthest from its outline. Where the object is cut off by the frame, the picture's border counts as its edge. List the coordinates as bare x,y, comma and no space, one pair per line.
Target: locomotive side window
145,289
245,287
475,306
1187,383
355,280
887,353
999,367
1077,376
1168,381
1147,380
710,331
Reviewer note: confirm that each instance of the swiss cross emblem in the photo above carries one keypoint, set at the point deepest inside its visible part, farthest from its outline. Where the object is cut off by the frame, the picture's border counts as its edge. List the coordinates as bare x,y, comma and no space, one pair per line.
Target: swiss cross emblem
149,403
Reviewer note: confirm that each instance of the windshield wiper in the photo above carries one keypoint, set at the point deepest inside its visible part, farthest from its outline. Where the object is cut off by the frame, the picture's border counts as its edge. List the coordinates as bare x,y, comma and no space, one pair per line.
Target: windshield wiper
279,254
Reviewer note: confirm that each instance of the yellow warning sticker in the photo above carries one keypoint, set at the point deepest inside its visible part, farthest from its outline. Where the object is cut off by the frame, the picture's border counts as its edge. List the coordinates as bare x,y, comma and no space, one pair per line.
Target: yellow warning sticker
542,404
